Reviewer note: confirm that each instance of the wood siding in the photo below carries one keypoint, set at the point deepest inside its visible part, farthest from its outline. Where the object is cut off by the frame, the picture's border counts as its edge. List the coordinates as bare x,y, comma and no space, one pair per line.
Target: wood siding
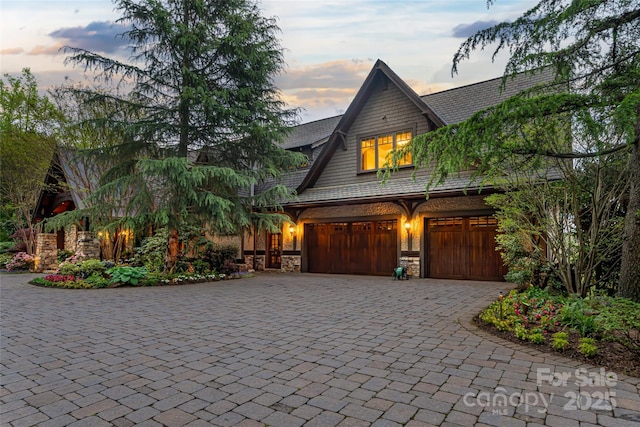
399,113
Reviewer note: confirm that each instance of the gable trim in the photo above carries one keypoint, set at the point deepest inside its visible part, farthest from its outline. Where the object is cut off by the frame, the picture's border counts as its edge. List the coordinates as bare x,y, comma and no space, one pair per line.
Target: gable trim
352,112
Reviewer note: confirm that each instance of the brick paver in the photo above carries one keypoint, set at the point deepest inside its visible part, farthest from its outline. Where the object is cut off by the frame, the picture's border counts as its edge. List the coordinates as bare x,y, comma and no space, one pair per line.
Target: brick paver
284,350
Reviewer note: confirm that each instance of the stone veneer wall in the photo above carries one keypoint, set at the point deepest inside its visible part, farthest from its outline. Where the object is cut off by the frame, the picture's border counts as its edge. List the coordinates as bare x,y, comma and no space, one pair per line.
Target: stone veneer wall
88,245
260,260
413,265
71,238
291,263
46,252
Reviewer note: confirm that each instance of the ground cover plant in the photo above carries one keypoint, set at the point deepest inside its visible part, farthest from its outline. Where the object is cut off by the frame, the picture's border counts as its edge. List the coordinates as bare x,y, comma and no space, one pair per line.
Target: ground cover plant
599,329
77,272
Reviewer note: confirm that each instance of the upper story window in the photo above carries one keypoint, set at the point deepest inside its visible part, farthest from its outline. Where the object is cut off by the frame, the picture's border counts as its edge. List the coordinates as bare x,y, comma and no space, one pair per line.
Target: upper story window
374,150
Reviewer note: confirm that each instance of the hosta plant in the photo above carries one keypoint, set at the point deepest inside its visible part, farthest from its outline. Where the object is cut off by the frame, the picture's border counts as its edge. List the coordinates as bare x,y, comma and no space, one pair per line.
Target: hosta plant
127,275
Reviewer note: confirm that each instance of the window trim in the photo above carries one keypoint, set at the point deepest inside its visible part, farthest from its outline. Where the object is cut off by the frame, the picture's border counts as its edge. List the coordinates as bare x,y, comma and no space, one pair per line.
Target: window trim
375,135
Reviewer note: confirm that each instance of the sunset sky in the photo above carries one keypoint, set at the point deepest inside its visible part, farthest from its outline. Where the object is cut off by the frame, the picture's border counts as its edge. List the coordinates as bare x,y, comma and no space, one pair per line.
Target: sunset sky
330,45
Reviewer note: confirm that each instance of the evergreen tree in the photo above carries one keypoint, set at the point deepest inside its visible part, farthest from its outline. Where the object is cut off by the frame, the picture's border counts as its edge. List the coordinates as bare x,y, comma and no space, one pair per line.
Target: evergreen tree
201,118
593,49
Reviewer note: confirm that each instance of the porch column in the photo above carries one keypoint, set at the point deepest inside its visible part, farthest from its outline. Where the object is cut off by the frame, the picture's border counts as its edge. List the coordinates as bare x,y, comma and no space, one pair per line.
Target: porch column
46,257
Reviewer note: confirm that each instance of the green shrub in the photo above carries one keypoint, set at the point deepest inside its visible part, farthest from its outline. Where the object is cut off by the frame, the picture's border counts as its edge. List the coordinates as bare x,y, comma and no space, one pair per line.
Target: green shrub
5,258
152,279
578,314
91,267
97,281
5,246
588,347
152,251
619,319
127,275
521,332
63,255
69,269
560,341
537,338
41,281
200,266
216,255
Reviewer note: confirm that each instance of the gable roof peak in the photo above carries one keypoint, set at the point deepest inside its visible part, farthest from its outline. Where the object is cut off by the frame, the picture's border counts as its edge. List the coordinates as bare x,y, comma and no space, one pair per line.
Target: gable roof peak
360,99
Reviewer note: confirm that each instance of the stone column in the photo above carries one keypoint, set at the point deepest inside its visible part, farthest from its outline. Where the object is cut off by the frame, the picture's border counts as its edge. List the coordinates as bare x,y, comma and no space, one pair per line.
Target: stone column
46,257
88,245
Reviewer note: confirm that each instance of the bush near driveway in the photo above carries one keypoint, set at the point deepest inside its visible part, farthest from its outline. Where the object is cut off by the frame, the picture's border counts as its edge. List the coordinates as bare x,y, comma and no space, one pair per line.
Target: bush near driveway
535,315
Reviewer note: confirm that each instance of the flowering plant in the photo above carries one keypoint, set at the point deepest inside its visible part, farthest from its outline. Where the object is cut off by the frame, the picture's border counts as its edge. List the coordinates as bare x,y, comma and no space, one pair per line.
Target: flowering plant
56,278
21,261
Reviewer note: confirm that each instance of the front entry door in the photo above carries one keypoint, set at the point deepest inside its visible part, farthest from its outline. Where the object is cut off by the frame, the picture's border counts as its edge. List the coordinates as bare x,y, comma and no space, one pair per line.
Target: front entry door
274,250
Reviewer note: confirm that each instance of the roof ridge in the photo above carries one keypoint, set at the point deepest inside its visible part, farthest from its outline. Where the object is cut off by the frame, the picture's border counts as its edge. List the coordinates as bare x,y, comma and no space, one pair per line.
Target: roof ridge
461,87
318,120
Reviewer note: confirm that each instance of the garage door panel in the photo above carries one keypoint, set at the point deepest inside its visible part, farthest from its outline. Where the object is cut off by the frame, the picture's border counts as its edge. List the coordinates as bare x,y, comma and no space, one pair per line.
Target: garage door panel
384,259
353,248
445,254
463,248
339,252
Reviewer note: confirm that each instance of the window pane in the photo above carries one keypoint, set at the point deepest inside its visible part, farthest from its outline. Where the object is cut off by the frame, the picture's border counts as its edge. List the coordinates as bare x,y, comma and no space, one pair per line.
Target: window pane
368,150
385,146
403,138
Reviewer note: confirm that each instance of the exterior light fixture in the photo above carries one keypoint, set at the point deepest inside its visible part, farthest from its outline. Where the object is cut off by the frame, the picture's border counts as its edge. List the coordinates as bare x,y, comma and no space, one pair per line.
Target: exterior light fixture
407,227
292,230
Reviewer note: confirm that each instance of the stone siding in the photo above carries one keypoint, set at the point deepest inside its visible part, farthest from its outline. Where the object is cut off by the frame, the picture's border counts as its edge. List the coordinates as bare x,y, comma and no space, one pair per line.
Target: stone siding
88,245
291,263
260,260
70,238
46,258
412,264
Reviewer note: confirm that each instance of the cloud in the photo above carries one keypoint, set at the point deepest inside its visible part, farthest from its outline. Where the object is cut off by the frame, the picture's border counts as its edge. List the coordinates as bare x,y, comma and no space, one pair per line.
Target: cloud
12,51
98,36
468,30
46,50
340,74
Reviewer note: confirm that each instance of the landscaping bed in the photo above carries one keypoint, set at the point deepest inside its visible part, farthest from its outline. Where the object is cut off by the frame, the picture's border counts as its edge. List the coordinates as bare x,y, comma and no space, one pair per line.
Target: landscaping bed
599,330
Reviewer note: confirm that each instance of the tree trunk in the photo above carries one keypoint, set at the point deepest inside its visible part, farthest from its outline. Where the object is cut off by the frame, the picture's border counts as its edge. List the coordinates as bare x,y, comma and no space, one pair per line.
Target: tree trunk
173,249
629,286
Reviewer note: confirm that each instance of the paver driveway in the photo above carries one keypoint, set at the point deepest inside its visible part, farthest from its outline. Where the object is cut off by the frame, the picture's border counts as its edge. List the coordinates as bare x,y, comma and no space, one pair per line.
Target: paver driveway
283,350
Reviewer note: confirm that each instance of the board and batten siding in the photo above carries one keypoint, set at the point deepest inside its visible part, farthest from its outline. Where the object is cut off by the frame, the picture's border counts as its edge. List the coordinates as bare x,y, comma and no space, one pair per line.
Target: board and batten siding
399,113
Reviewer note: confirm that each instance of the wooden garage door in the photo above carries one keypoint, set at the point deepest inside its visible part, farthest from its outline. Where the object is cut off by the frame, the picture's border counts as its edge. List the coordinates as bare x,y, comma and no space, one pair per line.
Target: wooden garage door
368,247
463,248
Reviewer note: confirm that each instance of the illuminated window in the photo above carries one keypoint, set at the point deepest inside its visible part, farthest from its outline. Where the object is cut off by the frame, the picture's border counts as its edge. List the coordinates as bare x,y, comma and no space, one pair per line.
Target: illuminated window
402,139
375,152
368,154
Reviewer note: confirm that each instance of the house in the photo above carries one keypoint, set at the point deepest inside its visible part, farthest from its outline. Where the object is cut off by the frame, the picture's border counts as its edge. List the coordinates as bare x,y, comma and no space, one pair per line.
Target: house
343,219
346,221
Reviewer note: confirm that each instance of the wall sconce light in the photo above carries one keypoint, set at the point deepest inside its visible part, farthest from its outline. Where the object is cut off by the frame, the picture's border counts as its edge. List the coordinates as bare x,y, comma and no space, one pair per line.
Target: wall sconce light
407,226
292,230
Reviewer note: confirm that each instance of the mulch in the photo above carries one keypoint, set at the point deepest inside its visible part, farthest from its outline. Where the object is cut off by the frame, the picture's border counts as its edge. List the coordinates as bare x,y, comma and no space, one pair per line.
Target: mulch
612,356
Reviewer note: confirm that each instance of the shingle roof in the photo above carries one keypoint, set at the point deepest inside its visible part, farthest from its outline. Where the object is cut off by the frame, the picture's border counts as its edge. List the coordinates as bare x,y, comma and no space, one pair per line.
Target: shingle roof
396,187
310,133
448,107
458,104
290,180
401,187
